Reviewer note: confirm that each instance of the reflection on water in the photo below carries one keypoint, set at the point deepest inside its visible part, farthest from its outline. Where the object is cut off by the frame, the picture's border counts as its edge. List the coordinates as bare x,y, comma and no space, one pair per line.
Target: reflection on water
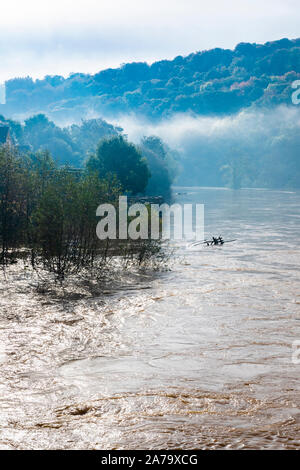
198,357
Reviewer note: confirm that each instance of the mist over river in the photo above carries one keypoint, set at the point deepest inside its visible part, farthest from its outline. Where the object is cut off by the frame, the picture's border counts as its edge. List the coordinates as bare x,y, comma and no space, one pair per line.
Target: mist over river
199,356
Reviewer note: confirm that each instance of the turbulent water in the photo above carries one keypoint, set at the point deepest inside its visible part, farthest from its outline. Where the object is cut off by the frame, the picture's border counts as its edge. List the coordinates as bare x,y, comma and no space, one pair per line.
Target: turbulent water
200,356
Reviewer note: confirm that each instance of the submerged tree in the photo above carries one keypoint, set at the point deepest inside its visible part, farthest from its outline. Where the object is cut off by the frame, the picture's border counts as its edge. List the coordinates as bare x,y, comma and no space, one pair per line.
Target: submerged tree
13,177
48,214
64,222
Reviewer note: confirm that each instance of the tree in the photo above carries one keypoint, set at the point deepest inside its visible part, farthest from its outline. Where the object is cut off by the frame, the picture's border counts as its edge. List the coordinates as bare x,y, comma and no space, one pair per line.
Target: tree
42,134
87,135
116,156
159,183
237,170
64,223
12,202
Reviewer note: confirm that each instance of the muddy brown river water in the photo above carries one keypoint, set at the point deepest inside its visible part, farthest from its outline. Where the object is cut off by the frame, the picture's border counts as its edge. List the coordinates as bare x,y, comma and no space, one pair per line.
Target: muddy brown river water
200,356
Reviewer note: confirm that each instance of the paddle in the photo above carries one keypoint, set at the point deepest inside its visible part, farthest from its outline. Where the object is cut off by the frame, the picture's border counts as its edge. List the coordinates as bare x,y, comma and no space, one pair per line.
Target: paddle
211,242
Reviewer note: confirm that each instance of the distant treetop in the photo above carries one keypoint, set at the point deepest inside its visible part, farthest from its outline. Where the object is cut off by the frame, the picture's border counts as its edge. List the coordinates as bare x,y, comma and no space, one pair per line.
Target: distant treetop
204,82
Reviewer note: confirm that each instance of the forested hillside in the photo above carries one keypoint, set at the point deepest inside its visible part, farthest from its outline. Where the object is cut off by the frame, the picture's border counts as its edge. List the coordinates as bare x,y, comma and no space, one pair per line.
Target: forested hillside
229,114
211,82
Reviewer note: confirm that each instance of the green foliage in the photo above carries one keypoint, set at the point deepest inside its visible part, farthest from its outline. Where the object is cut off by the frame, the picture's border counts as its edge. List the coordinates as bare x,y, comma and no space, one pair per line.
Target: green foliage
69,145
41,134
76,144
156,154
48,215
116,156
12,202
214,81
87,135
64,223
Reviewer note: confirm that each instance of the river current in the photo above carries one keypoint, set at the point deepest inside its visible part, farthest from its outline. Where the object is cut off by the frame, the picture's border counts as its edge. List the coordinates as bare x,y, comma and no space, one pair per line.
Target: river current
199,356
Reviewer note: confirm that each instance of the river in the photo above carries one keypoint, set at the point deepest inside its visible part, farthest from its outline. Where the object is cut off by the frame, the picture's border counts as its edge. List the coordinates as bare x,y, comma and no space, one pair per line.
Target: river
199,356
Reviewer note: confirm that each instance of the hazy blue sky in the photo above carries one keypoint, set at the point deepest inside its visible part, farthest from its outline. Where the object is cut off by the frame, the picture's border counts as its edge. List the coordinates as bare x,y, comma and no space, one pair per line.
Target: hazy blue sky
63,36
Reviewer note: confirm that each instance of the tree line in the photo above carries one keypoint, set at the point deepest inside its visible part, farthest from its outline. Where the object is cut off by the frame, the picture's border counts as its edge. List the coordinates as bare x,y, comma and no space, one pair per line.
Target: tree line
75,144
48,212
216,81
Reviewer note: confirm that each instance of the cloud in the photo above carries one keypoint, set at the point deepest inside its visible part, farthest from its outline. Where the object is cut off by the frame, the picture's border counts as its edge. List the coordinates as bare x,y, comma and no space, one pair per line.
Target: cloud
267,141
63,36
183,130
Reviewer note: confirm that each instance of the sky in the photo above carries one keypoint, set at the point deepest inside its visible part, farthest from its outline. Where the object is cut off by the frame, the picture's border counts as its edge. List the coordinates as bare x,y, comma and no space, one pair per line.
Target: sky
43,37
